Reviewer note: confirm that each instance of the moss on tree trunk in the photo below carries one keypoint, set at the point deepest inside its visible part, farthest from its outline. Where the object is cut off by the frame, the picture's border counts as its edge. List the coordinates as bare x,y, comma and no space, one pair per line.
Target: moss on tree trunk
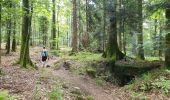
24,52
112,51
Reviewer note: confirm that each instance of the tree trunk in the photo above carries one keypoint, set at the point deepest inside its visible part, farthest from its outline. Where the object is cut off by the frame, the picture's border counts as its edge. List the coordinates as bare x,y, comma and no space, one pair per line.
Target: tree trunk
140,50
167,50
58,25
9,28
79,27
85,39
112,52
104,25
154,38
24,52
160,41
74,32
30,28
54,25
14,37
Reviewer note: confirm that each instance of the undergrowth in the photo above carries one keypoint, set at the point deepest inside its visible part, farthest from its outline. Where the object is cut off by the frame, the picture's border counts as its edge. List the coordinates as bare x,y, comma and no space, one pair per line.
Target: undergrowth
156,81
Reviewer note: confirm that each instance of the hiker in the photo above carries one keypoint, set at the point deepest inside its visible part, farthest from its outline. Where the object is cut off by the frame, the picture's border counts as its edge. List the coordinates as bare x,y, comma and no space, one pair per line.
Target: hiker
44,55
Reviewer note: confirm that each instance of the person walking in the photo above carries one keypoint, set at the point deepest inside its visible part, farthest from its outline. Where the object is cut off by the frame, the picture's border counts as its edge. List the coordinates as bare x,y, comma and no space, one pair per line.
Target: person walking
44,56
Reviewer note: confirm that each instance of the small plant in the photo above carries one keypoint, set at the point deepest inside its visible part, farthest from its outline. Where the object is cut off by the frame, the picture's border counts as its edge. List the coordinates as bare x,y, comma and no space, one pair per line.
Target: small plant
100,81
147,77
56,95
139,96
90,98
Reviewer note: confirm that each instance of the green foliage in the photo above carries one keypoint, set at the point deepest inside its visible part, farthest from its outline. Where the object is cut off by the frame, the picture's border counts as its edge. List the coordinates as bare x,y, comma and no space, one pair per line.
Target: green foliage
100,81
90,98
154,81
139,96
86,56
56,95
4,95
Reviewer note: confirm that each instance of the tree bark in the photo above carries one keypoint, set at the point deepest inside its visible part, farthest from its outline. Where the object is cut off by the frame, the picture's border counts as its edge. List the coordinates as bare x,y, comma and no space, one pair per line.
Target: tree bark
112,52
9,29
14,30
74,32
14,37
58,25
140,50
85,40
24,52
104,25
167,50
54,25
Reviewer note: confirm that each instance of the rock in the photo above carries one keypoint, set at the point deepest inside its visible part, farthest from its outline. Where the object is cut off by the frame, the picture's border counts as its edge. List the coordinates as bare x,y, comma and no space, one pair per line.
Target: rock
76,88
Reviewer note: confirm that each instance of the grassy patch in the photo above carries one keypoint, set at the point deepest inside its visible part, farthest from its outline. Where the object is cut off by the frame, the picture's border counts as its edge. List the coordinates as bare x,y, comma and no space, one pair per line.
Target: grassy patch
78,70
100,81
157,81
139,96
56,95
91,71
4,95
86,56
153,58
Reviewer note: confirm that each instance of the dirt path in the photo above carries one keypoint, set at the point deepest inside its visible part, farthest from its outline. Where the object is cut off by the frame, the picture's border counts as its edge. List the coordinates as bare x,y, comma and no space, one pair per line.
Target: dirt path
85,84
25,82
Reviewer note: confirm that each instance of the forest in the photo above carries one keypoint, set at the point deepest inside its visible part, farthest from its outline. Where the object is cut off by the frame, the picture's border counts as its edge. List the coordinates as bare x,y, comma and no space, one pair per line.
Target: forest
84,49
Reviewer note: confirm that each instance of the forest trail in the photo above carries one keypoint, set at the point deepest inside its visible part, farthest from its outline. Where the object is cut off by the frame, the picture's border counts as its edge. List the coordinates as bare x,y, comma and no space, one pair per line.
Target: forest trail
25,82
83,82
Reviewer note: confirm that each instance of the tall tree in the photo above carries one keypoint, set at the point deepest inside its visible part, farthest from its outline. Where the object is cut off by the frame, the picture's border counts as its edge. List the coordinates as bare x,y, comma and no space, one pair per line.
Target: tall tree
54,24
43,23
58,24
24,52
14,29
167,50
74,31
104,24
112,51
140,49
85,40
9,27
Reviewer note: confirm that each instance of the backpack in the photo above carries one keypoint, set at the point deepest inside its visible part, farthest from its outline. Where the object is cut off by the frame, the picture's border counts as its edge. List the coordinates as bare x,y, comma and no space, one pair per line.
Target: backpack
44,53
